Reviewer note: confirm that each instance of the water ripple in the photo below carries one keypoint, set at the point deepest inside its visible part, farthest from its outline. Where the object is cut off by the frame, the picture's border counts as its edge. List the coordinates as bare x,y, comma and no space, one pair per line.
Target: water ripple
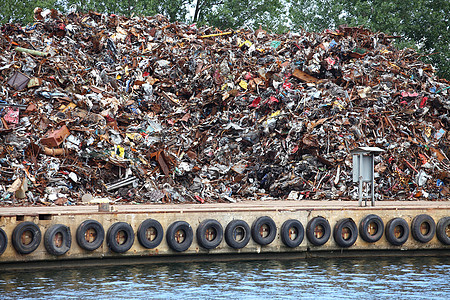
400,278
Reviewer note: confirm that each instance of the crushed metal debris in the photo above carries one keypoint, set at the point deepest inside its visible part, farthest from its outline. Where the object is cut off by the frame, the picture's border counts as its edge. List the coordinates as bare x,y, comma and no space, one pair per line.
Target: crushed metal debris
141,110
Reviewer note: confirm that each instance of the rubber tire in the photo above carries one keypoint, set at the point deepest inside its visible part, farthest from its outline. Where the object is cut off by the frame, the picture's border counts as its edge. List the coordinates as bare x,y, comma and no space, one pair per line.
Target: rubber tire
112,233
256,233
17,235
201,234
81,231
170,236
285,236
390,235
49,237
415,228
142,230
230,236
3,241
337,233
363,228
441,230
313,223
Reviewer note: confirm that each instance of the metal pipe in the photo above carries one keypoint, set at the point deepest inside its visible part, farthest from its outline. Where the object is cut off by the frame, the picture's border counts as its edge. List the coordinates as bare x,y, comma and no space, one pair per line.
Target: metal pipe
125,182
32,52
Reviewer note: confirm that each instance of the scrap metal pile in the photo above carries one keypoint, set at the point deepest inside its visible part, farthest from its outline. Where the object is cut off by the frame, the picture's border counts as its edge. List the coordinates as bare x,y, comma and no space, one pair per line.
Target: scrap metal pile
141,110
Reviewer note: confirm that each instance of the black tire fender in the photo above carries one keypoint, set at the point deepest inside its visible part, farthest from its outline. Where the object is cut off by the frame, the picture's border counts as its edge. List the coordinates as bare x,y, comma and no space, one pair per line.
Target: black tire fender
442,230
57,239
369,223
259,228
311,233
90,235
113,238
292,233
34,233
179,236
416,228
143,233
3,241
345,232
233,230
207,229
397,237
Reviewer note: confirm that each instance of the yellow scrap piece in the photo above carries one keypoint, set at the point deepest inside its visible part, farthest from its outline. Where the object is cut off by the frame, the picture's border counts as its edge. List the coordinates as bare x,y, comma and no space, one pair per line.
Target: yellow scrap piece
71,105
119,151
64,107
272,116
338,104
428,131
275,114
243,84
134,136
246,43
393,65
216,34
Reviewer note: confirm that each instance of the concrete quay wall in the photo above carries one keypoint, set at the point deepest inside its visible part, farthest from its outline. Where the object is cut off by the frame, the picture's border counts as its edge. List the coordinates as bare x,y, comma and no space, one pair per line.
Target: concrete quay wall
194,215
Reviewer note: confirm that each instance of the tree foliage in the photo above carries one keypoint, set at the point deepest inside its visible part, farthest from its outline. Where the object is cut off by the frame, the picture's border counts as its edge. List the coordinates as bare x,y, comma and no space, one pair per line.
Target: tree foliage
174,9
423,24
239,13
21,11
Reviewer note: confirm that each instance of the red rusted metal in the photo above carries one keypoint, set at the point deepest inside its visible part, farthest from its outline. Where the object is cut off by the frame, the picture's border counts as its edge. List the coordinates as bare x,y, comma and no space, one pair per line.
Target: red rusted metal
55,138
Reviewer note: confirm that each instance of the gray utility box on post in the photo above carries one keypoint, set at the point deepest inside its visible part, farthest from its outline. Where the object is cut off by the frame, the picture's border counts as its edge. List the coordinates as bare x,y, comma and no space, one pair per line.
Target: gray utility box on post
363,170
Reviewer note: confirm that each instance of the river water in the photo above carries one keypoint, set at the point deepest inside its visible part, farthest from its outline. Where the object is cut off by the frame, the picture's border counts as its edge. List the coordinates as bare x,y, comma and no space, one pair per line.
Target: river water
377,278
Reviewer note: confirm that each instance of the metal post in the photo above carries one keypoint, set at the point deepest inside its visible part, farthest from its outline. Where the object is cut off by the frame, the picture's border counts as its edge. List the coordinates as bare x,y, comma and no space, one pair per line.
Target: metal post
373,184
360,179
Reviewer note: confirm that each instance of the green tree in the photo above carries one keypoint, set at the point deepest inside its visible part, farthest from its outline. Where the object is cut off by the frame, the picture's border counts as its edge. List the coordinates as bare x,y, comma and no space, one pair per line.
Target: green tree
316,15
222,14
422,23
22,11
15,11
174,9
238,13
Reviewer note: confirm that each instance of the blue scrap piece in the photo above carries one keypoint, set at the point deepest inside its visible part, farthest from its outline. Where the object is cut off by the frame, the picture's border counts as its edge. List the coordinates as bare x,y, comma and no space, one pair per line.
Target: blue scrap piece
275,44
332,44
439,134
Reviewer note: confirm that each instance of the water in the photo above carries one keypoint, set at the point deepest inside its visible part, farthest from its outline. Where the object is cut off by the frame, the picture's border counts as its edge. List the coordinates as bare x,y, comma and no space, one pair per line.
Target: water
393,278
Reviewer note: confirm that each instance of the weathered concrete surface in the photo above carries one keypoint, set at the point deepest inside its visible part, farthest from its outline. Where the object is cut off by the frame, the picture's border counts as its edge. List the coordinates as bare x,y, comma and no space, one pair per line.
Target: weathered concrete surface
279,211
231,207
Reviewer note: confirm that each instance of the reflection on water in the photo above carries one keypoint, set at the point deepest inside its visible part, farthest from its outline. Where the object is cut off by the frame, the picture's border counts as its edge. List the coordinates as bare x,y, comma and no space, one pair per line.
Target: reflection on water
378,278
